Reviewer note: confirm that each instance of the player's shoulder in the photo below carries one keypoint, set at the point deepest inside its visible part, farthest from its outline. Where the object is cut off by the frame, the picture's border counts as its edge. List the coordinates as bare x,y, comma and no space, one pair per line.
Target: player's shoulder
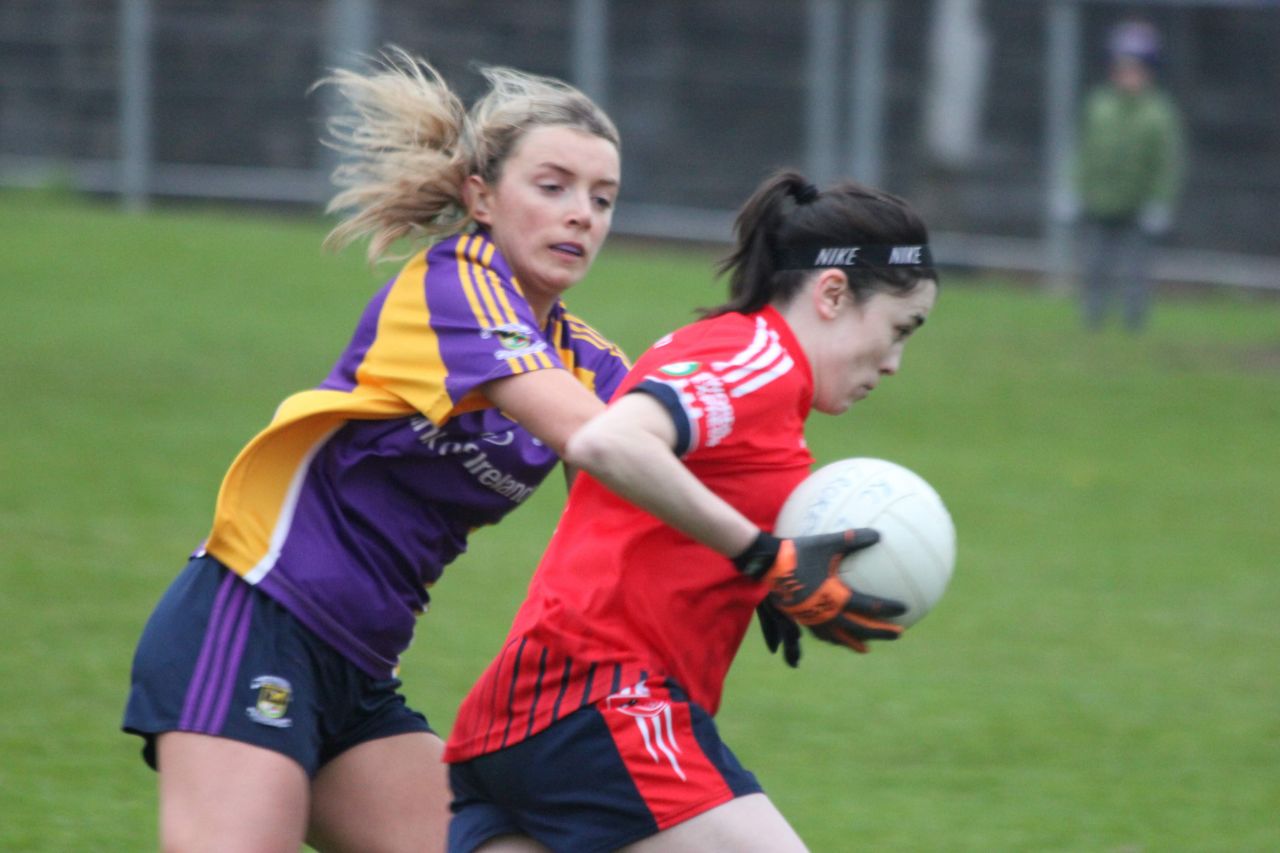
578,330
468,284
469,247
586,346
737,353
720,337
471,260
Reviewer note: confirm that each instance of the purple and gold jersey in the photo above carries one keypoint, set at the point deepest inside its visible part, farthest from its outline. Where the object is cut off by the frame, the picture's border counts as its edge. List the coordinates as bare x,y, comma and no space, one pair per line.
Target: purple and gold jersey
360,491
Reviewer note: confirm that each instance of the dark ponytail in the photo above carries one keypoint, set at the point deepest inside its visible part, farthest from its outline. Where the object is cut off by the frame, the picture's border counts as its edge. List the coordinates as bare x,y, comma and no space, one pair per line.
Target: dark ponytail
753,279
787,212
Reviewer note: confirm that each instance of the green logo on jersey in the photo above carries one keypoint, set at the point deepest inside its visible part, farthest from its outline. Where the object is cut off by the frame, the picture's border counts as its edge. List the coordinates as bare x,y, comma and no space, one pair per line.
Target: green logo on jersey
514,338
681,368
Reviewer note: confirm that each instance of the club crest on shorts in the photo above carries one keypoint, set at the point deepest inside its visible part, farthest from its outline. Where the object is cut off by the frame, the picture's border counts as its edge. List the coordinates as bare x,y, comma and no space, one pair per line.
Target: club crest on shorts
653,718
274,694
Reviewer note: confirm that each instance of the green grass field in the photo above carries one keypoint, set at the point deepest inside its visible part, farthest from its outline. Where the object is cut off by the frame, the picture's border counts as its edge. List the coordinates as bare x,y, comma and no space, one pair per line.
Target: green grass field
1103,675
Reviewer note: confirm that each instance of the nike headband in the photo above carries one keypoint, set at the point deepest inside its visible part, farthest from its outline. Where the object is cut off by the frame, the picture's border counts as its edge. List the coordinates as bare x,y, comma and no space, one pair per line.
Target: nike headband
872,256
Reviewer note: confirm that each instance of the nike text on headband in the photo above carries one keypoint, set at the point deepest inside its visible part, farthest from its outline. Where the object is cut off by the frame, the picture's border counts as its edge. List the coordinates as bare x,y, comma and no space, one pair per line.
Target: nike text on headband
872,256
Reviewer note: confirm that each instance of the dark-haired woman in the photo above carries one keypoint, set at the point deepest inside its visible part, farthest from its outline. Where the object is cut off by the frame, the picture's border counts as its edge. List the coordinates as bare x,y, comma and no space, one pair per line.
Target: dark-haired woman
592,729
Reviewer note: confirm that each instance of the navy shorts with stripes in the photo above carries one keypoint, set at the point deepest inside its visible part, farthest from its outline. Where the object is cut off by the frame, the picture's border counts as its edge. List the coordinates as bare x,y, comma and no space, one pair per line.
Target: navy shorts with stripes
602,777
219,657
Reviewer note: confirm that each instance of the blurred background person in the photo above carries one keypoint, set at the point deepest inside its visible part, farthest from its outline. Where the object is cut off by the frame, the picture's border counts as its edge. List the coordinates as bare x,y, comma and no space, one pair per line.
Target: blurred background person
1129,173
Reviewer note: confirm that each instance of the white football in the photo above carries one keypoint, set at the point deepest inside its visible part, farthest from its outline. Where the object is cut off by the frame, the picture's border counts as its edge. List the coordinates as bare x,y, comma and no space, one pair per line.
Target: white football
916,554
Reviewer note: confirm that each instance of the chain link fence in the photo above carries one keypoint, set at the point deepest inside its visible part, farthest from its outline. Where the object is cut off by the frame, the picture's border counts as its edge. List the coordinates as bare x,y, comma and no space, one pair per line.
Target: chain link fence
964,106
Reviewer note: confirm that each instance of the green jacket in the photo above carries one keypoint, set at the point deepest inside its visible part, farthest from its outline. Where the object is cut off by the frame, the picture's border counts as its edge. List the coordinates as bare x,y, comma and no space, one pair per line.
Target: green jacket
1131,153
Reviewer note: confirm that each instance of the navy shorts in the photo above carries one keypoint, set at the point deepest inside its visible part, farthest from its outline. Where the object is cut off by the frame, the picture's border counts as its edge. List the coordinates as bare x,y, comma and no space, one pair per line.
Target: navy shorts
219,657
603,777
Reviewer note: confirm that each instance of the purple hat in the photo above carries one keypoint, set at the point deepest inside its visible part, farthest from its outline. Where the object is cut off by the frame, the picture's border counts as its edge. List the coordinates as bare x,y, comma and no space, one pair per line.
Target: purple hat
1136,40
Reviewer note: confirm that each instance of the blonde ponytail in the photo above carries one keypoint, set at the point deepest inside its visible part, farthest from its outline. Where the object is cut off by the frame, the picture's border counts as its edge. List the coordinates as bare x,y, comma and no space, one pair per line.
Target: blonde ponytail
403,165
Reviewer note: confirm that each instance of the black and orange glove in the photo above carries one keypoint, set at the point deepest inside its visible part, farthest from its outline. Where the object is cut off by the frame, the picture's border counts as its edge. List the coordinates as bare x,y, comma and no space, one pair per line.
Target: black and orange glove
779,631
804,584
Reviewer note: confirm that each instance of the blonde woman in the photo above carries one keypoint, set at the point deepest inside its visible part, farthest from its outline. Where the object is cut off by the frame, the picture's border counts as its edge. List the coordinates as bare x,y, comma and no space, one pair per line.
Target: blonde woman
264,684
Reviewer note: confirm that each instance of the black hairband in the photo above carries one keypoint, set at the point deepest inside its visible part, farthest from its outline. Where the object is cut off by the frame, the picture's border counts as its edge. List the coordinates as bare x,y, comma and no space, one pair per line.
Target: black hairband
871,256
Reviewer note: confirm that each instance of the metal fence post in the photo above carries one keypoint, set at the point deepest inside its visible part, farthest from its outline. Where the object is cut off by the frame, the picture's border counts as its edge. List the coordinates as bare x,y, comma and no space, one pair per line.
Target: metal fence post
590,68
867,91
1062,73
822,100
350,29
134,159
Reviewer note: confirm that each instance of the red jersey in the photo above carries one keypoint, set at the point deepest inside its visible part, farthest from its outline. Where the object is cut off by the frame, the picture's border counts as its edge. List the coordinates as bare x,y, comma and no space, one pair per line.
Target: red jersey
620,598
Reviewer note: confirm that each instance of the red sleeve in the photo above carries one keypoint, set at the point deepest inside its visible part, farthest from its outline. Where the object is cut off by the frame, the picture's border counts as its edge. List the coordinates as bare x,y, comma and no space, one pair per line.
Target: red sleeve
710,378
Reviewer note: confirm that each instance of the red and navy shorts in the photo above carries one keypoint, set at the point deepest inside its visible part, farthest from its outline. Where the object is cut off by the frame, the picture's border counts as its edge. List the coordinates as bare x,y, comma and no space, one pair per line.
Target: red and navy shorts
219,657
603,777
